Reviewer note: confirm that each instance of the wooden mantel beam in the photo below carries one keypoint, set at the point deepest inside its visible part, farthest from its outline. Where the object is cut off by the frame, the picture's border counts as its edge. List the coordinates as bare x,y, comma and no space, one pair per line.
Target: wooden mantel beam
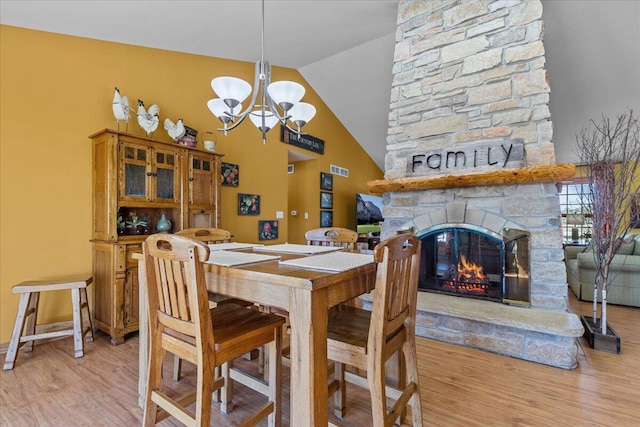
532,174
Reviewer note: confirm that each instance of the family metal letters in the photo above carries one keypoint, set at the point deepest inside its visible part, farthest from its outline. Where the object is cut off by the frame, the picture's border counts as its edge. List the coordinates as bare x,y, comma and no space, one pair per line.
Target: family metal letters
501,155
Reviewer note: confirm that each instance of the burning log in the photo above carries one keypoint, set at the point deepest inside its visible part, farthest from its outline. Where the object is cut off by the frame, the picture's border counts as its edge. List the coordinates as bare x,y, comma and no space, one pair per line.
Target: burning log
470,272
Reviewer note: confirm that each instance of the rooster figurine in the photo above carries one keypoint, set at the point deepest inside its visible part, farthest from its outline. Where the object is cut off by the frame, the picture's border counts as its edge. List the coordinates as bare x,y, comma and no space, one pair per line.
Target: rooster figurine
175,131
121,108
148,119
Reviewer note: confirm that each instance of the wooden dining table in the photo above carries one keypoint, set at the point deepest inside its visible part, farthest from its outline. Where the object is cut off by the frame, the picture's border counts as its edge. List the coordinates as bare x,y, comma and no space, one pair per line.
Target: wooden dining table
306,294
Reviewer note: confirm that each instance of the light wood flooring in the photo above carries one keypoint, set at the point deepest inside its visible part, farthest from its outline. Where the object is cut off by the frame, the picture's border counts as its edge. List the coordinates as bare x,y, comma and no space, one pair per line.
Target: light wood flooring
459,386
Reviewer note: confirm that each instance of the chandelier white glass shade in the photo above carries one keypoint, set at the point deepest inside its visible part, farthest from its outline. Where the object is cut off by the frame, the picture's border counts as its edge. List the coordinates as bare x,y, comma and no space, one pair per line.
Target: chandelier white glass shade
219,109
270,102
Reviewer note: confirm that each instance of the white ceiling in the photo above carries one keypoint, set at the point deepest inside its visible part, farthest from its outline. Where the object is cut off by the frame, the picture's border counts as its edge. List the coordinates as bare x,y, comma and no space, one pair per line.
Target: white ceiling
344,49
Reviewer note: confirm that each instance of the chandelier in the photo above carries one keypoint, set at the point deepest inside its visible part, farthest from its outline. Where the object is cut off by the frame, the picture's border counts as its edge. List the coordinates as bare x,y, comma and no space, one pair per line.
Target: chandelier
286,95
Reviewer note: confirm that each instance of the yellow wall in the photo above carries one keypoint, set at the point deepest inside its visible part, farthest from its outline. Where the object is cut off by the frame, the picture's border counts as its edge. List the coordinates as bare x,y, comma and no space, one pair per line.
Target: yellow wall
581,174
56,90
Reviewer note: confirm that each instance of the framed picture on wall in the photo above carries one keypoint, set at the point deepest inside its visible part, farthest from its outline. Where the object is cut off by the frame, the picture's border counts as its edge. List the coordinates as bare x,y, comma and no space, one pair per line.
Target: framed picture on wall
326,218
230,174
326,200
267,230
326,181
248,204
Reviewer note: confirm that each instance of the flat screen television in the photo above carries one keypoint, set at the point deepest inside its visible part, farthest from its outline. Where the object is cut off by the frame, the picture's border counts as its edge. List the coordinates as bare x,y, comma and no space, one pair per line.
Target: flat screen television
368,213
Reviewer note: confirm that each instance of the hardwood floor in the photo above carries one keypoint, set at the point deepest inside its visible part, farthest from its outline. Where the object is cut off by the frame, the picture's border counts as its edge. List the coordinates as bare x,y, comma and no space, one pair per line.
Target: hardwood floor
459,386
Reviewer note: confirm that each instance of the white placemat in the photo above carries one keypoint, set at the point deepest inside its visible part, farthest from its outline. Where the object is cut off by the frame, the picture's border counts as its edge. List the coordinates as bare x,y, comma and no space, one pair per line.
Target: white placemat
335,261
231,258
231,246
293,248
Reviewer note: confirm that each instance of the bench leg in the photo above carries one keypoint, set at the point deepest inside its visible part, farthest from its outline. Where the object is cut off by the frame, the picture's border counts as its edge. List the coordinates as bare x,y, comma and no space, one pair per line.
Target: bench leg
28,302
31,320
87,325
78,341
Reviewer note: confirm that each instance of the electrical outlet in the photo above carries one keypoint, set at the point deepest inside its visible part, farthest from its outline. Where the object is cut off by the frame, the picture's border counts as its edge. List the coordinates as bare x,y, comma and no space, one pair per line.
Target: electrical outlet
279,214
306,215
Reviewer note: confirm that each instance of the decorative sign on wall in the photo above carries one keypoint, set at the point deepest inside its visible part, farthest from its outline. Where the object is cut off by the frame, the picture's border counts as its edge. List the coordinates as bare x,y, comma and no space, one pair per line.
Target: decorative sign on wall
305,141
471,157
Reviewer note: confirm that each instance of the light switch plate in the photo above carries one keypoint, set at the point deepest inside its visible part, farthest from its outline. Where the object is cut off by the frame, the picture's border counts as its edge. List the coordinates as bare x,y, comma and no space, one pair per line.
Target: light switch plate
279,214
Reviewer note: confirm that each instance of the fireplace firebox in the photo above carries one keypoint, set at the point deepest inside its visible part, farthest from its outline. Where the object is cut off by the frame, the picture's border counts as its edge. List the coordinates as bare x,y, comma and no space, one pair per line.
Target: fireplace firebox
470,262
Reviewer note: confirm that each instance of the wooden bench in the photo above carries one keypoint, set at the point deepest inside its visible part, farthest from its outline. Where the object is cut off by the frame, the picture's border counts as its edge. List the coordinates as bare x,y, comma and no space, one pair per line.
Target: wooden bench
24,329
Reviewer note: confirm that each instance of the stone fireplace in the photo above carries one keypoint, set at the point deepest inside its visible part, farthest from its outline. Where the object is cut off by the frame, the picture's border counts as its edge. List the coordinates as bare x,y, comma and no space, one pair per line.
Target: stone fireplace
470,168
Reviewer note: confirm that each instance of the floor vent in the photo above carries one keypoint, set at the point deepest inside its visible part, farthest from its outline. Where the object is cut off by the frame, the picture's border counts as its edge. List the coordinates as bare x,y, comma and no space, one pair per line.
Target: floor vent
337,170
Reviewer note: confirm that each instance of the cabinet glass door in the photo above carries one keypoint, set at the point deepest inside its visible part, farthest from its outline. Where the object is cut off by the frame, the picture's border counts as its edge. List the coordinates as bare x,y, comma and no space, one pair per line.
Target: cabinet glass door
134,162
167,185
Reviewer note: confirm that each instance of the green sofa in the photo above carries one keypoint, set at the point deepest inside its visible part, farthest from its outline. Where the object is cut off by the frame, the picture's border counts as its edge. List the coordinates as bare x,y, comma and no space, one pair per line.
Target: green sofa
624,275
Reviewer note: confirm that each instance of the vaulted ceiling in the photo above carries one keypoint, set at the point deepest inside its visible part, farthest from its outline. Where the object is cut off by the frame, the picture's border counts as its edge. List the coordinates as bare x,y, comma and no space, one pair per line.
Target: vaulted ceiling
344,49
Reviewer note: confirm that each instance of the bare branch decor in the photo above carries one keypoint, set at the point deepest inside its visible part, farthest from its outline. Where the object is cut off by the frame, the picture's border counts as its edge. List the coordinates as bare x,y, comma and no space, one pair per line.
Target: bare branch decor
609,151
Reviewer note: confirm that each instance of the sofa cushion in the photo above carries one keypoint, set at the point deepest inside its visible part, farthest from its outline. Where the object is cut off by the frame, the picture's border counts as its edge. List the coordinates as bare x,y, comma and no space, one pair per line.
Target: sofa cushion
636,249
627,246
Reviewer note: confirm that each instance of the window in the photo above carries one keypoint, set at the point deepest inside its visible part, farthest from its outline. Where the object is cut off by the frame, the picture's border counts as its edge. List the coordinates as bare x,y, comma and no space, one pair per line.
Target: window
576,212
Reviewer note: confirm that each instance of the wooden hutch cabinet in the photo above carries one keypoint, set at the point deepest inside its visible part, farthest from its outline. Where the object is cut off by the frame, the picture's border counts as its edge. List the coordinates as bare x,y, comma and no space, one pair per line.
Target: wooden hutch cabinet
135,182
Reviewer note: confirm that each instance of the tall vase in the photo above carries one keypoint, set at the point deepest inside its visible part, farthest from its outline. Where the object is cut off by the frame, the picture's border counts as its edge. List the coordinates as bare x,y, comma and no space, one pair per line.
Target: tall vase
163,225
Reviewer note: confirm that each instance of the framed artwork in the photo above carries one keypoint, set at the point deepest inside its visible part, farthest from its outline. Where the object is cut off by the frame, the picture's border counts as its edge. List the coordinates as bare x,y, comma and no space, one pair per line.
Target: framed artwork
326,181
230,174
326,200
326,218
267,230
248,204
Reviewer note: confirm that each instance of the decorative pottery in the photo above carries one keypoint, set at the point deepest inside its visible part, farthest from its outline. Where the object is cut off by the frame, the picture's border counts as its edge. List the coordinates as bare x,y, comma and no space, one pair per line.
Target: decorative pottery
163,225
209,145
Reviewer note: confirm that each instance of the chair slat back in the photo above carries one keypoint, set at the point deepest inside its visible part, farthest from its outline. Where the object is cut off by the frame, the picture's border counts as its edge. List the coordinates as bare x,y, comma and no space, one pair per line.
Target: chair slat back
176,286
332,236
207,235
396,288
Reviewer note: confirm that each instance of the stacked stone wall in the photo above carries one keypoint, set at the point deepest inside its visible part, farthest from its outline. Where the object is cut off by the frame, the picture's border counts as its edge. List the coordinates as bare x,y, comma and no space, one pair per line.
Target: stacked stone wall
468,71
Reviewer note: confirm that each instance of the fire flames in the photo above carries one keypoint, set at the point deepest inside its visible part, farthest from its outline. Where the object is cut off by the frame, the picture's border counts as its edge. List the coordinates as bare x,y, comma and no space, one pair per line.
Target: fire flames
470,272
470,276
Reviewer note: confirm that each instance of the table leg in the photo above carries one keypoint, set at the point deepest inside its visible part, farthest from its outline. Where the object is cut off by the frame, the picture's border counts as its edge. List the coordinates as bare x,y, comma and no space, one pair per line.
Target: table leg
309,384
143,334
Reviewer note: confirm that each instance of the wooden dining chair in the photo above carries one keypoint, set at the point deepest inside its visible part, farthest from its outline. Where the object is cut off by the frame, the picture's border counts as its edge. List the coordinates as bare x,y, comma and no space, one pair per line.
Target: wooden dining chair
212,235
181,322
367,339
208,235
332,236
